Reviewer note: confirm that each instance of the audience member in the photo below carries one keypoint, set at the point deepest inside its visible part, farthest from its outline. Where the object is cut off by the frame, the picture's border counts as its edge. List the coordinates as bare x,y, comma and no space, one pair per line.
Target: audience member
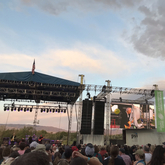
140,157
125,157
147,154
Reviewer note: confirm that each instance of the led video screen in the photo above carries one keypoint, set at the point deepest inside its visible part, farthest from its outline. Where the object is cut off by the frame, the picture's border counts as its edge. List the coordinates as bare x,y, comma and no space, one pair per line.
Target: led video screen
132,116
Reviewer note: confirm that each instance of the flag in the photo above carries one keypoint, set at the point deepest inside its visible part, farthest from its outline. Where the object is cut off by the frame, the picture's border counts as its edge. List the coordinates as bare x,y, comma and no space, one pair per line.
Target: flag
33,67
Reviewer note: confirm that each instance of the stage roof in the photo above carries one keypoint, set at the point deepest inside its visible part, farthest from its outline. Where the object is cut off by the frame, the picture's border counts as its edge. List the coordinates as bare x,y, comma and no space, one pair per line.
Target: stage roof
25,85
37,77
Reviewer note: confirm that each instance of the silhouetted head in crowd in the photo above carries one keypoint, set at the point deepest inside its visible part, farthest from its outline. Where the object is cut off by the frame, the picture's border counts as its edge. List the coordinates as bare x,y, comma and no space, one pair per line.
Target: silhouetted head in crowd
14,154
79,147
126,150
158,156
32,158
27,151
83,151
96,148
108,149
146,149
22,146
113,153
68,153
78,161
6,152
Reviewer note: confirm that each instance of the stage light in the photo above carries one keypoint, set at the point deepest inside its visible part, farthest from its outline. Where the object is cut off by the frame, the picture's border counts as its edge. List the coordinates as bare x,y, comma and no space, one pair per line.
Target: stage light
24,109
47,110
15,109
30,109
4,108
21,109
8,108
27,109
64,110
18,109
53,110
43,110
50,110
61,110
58,110
12,108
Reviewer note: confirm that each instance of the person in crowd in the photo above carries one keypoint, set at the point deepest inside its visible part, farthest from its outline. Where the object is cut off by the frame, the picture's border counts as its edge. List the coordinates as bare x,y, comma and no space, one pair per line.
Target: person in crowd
148,155
89,150
27,151
1,157
57,157
79,147
13,139
125,157
126,148
132,151
22,148
114,159
11,158
89,161
83,151
96,154
33,145
6,153
30,140
33,158
102,153
68,154
152,148
157,156
140,157
40,139
74,148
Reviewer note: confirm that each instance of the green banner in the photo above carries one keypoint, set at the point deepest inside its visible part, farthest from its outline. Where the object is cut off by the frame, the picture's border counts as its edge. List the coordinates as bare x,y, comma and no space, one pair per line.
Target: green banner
160,115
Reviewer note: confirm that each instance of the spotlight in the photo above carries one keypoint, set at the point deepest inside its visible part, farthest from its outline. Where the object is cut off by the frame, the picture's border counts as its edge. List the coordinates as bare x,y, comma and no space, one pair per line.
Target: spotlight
4,108
24,109
19,109
61,110
12,108
53,110
58,110
15,109
43,110
8,108
30,109
47,110
27,109
64,110
50,110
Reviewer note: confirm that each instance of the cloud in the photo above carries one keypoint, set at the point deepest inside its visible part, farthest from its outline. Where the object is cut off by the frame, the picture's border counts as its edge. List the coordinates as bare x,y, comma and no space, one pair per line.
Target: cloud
68,62
60,6
148,36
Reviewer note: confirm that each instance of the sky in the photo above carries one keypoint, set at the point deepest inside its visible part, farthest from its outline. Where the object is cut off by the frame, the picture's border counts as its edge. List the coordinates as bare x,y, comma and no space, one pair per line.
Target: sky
118,40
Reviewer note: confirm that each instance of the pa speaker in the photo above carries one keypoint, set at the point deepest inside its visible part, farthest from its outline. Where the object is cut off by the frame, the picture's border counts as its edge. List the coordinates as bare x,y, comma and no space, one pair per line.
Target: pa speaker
99,118
86,117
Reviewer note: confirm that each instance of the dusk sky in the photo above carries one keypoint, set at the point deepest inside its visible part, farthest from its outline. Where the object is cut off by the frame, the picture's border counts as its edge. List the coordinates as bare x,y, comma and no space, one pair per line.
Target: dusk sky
119,40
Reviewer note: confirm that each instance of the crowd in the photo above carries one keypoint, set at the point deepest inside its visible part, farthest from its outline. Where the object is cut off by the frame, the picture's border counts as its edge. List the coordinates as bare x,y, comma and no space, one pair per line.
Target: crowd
88,154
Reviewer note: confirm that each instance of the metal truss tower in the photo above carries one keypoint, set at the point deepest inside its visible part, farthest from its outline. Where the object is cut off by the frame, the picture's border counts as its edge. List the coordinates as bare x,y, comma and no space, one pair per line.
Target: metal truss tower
79,112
